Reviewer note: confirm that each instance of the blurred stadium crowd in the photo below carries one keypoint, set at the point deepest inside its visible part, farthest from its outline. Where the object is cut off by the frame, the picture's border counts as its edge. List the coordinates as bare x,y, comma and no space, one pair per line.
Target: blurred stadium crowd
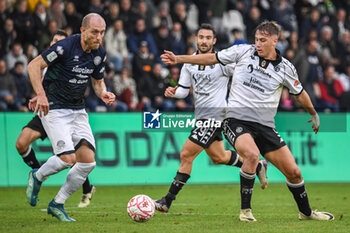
315,37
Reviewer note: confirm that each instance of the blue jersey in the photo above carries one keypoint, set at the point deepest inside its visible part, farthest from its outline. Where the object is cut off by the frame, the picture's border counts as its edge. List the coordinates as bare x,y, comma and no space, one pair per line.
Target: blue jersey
69,71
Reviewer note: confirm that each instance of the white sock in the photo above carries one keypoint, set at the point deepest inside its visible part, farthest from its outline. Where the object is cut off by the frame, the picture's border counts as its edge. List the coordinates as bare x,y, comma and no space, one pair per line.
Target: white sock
52,166
75,178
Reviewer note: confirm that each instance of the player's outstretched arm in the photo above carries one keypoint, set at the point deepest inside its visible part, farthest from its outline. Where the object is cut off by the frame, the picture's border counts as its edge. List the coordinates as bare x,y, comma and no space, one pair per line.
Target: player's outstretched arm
304,100
101,91
169,58
35,68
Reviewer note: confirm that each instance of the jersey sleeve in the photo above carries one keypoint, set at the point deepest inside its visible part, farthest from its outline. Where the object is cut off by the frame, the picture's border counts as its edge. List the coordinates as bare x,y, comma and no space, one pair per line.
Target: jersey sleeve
100,62
291,80
229,69
232,54
185,77
56,52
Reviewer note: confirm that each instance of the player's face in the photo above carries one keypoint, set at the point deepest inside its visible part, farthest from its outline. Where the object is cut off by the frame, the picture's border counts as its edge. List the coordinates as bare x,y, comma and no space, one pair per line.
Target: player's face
56,38
265,44
205,40
93,34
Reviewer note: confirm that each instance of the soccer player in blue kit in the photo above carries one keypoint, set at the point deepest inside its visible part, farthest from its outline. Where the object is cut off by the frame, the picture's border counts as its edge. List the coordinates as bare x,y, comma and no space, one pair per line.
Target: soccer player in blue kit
35,130
60,104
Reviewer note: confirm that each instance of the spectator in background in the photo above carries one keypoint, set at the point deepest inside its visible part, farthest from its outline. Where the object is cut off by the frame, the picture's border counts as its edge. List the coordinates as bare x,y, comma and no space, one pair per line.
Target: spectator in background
115,44
162,38
251,21
338,24
41,20
4,12
330,89
55,12
112,14
30,52
344,49
8,36
329,50
180,15
177,39
344,78
96,6
124,86
282,43
144,13
309,68
73,17
163,17
141,34
312,22
127,15
8,89
16,55
142,63
238,37
286,102
159,84
215,12
283,13
23,86
45,38
23,22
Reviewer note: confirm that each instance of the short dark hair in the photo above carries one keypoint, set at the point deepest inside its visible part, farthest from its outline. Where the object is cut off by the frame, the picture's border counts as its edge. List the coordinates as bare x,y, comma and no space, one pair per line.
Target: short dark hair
60,32
207,26
270,27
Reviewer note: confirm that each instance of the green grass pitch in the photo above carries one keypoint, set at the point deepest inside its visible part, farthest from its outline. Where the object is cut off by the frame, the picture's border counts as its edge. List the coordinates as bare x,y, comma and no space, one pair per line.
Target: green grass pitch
198,208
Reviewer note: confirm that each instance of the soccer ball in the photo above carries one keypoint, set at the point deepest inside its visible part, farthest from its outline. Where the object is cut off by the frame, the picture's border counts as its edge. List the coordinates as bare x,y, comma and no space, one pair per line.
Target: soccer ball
141,208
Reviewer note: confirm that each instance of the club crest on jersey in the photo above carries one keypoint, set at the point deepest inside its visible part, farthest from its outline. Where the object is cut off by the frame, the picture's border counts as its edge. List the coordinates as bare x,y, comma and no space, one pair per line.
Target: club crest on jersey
201,67
97,60
277,69
263,63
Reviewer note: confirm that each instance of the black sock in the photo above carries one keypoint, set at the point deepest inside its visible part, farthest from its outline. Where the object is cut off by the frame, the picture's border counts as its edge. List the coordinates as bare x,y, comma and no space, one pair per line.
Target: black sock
258,168
234,161
30,159
247,183
300,196
179,181
86,186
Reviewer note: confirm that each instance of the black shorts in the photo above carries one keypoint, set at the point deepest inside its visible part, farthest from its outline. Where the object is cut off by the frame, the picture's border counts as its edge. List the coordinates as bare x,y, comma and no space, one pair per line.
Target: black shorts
266,138
35,124
205,136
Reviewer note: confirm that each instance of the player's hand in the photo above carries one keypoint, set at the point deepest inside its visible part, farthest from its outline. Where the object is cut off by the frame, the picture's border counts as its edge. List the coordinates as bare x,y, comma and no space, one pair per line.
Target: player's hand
108,97
170,92
32,103
315,119
42,105
168,58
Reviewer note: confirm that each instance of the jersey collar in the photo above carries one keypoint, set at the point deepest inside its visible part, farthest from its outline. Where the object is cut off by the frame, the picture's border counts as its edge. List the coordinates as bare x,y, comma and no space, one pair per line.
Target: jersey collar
265,62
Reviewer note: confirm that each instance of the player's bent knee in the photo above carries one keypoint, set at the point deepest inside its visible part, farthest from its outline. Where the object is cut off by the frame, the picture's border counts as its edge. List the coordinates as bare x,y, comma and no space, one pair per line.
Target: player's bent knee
294,174
251,156
68,158
21,145
217,160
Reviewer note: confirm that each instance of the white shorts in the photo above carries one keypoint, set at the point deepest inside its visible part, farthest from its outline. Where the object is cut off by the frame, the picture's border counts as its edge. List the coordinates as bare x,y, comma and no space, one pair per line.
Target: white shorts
66,129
